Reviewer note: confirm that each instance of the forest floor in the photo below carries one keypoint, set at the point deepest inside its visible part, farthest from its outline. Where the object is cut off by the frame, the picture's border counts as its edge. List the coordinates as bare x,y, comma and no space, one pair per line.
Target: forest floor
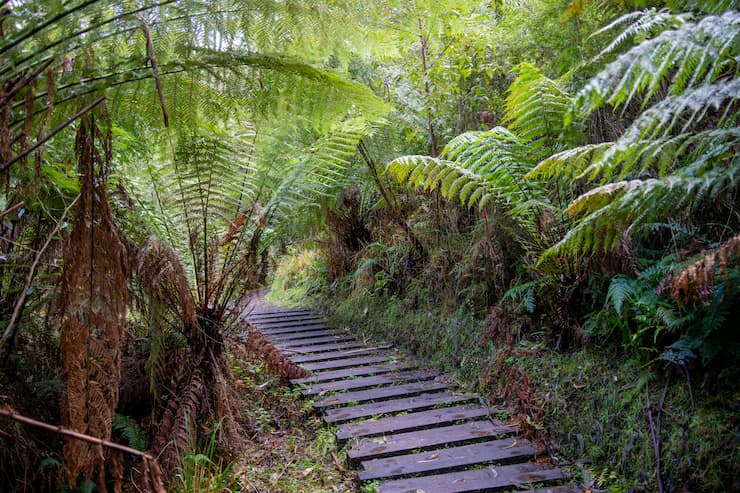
289,449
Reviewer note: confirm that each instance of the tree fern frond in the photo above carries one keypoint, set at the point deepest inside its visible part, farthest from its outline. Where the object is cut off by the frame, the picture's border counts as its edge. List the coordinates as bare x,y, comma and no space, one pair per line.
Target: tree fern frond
476,168
320,173
568,163
610,211
691,53
640,24
536,107
634,155
686,109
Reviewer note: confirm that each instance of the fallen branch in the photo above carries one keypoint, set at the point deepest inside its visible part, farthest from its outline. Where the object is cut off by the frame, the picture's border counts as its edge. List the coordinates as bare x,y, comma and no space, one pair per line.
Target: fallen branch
150,463
655,430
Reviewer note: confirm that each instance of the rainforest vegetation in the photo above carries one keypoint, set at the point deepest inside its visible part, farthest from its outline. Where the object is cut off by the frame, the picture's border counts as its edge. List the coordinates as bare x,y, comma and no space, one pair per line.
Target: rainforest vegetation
539,197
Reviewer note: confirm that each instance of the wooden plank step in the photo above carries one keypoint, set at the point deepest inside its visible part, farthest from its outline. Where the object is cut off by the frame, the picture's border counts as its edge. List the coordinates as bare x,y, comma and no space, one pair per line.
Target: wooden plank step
294,336
367,382
286,318
412,421
280,313
283,324
489,479
317,348
446,459
311,341
299,316
372,448
379,394
359,371
384,408
345,363
310,358
294,330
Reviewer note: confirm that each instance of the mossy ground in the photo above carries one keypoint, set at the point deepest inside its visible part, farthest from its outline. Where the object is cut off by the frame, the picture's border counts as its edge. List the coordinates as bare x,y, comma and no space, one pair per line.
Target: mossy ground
288,448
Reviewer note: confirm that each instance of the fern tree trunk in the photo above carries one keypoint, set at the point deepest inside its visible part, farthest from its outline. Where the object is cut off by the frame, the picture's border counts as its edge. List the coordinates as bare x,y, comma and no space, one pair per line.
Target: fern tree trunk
94,297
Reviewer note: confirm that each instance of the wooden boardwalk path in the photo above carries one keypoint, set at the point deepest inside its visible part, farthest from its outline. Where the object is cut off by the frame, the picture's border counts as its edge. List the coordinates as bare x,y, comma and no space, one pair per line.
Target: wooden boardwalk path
406,428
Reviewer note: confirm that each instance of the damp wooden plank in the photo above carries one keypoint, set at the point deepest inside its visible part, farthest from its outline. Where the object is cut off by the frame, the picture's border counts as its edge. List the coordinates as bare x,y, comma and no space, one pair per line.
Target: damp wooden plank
378,394
487,479
280,313
371,448
285,318
317,348
311,341
412,421
309,358
345,363
293,336
294,330
359,371
446,459
281,324
383,408
370,381
291,316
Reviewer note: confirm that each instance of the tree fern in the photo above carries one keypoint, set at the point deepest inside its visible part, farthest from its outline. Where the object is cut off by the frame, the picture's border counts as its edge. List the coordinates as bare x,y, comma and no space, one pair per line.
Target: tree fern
477,168
536,107
319,173
678,153
691,54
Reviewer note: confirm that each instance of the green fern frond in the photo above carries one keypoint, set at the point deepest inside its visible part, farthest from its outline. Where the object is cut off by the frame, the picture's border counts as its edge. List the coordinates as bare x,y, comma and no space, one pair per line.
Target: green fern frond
320,173
640,24
620,290
131,431
690,54
476,168
523,295
536,107
568,163
615,209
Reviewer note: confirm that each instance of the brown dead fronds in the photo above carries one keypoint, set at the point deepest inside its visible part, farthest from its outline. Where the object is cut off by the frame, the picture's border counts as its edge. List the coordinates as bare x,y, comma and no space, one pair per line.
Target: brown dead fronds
179,423
509,381
276,361
94,297
698,280
161,273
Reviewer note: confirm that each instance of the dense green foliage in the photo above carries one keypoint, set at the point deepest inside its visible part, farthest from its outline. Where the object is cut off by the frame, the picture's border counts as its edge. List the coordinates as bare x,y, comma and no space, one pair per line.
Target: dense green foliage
501,180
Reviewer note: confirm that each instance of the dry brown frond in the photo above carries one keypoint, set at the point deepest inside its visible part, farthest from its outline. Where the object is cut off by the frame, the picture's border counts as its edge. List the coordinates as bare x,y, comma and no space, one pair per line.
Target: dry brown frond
276,361
94,297
178,424
162,275
697,281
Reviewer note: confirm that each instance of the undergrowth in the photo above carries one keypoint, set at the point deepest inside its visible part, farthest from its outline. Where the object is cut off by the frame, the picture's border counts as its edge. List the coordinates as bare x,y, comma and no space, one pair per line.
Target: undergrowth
288,449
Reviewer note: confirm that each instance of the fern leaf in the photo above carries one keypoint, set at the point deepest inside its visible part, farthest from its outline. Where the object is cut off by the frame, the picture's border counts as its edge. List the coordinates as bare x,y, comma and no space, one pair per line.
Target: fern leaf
701,51
536,107
620,290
